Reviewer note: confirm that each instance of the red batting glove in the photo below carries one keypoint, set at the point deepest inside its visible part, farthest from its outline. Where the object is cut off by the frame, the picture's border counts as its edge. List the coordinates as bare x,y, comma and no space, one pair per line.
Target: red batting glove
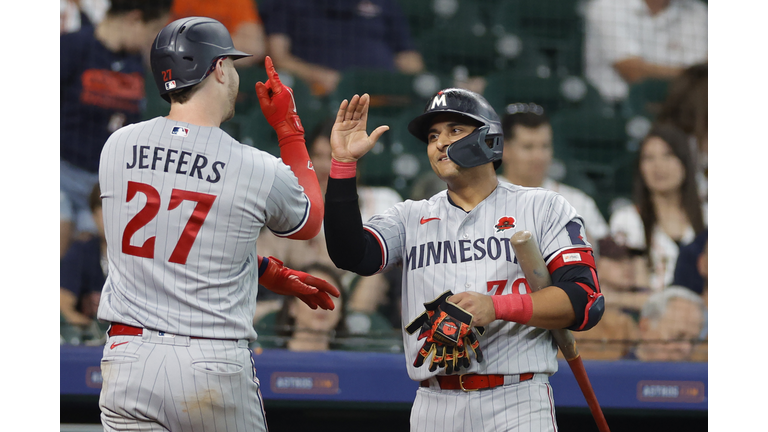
278,106
310,289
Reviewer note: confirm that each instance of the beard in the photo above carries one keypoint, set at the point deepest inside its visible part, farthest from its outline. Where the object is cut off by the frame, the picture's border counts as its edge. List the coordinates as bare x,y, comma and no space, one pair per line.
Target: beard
231,98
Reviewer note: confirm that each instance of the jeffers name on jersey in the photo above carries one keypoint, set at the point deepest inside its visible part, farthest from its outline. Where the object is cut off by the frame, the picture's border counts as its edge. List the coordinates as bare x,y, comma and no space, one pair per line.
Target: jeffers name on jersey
147,157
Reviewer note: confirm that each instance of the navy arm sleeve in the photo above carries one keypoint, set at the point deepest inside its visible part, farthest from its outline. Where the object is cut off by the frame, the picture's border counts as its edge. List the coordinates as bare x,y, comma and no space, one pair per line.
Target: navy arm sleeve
350,246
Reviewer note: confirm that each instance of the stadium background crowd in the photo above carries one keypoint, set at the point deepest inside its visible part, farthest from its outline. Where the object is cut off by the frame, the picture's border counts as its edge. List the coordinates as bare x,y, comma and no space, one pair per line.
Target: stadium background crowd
604,101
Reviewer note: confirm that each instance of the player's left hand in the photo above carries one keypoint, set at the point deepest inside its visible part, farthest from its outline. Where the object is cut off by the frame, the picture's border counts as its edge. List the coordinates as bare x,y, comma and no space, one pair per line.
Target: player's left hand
278,105
349,140
313,291
477,304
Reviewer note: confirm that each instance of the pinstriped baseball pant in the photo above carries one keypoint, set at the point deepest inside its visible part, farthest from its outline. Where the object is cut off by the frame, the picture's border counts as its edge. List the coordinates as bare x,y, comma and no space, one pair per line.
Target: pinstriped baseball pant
520,407
157,382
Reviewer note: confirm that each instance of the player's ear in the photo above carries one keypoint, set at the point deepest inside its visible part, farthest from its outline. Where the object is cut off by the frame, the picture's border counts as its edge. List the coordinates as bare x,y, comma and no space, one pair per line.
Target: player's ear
219,72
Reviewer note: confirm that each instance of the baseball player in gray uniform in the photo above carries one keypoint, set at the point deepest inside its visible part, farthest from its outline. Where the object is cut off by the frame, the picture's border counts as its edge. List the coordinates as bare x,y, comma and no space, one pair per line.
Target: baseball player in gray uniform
183,205
458,242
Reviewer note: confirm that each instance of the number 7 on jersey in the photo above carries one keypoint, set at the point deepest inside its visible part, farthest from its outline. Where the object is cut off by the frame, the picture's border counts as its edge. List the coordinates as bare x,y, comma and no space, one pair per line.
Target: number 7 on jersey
150,211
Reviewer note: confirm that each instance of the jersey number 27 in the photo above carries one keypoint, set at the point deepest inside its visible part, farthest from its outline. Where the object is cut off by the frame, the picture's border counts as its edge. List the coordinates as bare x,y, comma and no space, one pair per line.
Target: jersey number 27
150,211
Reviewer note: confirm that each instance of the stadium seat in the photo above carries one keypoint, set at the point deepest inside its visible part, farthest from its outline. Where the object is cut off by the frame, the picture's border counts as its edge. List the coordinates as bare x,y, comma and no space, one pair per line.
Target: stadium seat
426,15
460,47
595,145
390,92
555,20
646,97
508,87
553,27
156,105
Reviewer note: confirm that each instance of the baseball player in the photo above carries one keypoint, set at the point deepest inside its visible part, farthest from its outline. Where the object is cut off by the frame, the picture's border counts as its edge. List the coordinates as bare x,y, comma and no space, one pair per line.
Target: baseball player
458,243
183,204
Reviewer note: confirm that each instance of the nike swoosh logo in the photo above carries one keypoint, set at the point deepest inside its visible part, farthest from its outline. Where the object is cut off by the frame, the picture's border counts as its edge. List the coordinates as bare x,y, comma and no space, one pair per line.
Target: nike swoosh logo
117,344
423,221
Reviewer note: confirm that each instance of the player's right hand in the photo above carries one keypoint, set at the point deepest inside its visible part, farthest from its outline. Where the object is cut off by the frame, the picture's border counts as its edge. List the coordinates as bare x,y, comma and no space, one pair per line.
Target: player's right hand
349,140
277,104
313,291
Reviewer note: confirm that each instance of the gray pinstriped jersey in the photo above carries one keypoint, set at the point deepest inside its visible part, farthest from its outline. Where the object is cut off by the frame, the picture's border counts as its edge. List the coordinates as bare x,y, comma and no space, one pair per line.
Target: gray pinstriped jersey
441,247
183,206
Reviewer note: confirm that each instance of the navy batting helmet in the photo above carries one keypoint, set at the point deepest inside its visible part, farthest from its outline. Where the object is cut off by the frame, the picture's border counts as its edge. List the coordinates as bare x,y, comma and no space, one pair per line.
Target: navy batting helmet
483,145
185,51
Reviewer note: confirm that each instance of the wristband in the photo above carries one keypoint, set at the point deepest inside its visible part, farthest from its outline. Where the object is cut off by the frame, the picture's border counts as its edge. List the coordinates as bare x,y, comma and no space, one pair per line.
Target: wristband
343,170
513,307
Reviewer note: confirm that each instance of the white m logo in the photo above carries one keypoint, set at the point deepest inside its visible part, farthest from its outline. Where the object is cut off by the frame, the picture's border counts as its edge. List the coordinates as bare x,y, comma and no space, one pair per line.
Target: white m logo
439,100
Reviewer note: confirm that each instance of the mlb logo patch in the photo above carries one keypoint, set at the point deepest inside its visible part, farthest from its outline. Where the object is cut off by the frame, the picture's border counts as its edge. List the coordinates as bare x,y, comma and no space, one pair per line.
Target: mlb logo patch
170,85
571,257
180,131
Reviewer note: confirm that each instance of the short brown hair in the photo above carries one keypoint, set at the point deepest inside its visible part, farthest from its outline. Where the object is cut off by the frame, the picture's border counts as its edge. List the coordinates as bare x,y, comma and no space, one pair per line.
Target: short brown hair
184,95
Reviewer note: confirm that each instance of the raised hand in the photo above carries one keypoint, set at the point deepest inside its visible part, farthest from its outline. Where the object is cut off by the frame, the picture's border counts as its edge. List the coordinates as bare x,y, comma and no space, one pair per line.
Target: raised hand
277,104
349,140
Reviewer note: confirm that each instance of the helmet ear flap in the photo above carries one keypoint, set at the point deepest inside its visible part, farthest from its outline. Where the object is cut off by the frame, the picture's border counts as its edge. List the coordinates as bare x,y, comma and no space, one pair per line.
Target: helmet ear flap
477,148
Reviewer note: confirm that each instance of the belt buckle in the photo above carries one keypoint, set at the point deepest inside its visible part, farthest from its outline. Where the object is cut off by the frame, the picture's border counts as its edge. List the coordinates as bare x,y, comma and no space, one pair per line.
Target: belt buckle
461,383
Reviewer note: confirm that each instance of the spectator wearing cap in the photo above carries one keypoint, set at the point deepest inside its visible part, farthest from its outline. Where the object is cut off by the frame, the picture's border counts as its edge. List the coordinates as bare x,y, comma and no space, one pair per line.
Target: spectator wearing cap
527,158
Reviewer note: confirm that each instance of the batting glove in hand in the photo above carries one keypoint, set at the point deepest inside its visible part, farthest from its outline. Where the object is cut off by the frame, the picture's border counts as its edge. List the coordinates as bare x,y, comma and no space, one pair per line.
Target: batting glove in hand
278,105
310,289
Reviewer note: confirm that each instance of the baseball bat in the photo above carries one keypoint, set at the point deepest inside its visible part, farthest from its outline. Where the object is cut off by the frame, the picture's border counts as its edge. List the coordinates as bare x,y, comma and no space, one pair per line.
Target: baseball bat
538,277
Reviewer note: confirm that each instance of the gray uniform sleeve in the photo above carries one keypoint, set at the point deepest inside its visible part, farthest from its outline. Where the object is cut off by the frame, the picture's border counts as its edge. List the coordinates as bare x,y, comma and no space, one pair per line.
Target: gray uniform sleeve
561,227
287,206
389,230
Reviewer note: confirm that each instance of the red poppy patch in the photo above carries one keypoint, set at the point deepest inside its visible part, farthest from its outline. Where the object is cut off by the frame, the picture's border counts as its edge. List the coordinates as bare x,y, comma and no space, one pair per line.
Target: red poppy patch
505,223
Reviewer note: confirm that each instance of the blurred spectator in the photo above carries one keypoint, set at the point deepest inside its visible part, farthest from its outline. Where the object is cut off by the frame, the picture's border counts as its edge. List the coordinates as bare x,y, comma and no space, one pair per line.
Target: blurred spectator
240,17
76,14
528,156
83,271
317,39
670,326
628,41
667,212
307,329
617,275
686,107
687,271
367,294
101,90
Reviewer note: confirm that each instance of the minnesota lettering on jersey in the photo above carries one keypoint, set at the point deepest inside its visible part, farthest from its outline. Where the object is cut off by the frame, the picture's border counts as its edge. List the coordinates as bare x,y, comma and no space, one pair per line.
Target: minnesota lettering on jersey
170,160
442,252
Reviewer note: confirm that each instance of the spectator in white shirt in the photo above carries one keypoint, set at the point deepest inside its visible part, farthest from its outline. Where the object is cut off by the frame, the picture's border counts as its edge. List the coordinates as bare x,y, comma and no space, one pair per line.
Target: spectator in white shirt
667,212
628,41
528,155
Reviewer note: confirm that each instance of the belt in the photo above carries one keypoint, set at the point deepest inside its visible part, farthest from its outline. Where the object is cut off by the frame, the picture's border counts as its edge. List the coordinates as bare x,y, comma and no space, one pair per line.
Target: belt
127,330
472,382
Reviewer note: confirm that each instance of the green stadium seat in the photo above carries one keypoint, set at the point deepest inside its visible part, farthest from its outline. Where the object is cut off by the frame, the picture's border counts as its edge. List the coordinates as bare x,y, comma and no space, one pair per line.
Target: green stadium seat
554,20
553,27
426,15
508,87
646,97
460,47
156,105
595,146
390,92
